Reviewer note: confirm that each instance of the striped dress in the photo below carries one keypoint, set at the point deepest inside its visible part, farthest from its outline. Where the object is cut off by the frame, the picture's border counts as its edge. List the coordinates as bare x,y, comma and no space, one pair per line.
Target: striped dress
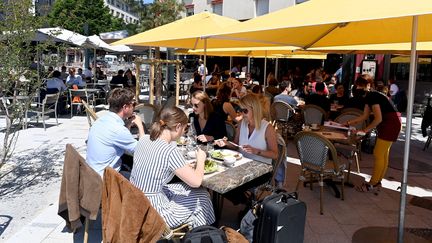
178,203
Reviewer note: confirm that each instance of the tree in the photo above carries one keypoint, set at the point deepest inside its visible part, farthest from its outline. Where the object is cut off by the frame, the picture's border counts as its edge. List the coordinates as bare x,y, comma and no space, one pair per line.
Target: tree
18,74
154,15
75,14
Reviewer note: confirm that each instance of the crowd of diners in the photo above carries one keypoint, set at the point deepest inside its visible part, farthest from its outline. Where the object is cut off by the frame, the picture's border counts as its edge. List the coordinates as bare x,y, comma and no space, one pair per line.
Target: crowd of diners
243,102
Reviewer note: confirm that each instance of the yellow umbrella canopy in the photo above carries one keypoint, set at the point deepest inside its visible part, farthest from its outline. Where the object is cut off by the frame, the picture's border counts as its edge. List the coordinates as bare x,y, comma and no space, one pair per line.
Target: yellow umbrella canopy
423,48
183,33
349,22
270,52
405,59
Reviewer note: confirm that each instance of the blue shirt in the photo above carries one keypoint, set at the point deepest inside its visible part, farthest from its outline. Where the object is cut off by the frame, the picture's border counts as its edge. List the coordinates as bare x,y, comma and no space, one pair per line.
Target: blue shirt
76,79
287,99
108,139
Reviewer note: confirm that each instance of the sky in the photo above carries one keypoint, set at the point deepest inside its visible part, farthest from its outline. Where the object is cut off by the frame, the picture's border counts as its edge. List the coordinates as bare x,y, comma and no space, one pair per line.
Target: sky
148,1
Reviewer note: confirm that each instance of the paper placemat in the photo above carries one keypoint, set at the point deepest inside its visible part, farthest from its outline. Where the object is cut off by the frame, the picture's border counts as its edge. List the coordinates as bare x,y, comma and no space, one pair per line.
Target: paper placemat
335,125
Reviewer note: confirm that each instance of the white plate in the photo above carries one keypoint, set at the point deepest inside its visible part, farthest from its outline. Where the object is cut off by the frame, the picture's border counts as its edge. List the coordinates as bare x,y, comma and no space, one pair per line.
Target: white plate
224,153
360,133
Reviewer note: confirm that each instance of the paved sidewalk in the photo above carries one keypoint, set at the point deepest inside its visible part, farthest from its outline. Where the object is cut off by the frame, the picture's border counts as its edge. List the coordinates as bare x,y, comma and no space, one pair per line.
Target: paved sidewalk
361,217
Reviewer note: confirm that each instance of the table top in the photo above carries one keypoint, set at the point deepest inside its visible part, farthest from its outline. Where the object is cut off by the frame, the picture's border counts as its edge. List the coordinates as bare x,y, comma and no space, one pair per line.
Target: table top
234,177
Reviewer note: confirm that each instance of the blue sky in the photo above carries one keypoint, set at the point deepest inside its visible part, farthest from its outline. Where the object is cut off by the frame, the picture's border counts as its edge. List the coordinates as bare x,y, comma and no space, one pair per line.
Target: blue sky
148,1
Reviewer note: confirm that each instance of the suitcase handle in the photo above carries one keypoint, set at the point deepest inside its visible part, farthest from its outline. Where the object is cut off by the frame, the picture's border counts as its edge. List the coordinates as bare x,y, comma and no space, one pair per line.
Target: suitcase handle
286,196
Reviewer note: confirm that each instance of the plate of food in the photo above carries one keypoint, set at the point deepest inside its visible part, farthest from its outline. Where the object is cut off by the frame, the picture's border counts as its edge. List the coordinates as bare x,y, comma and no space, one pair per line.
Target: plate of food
210,166
222,153
181,141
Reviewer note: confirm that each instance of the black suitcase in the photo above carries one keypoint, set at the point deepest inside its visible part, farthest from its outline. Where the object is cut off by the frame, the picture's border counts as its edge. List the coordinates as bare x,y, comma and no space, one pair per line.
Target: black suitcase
281,219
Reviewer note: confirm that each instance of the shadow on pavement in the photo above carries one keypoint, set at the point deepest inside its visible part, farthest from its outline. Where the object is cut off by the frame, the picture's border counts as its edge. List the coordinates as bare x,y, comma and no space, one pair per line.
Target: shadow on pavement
31,167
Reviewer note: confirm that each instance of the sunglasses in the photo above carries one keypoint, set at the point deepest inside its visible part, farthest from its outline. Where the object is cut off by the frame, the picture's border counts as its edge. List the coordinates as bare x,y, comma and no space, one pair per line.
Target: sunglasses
244,111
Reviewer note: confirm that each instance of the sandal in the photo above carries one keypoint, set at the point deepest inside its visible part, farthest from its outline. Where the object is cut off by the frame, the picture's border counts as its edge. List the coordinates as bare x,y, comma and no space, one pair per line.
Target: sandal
366,187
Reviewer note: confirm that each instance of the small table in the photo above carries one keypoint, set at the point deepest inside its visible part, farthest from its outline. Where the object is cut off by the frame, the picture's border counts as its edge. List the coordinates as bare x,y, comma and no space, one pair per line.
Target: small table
231,178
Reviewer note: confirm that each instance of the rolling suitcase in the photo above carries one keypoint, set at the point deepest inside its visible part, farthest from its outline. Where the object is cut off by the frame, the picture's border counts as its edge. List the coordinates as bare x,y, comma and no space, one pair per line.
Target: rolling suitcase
281,219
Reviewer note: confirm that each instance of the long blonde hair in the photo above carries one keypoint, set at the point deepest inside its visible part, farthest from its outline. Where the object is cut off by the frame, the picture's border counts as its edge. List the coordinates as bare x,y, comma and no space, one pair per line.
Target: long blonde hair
168,119
253,102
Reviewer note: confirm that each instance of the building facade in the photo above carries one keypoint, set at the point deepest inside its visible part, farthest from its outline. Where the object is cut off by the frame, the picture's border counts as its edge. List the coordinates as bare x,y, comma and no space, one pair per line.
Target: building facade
238,9
118,8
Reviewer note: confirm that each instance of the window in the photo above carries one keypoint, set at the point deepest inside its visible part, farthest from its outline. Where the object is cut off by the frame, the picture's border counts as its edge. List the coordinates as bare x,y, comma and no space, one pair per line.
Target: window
189,9
217,8
262,7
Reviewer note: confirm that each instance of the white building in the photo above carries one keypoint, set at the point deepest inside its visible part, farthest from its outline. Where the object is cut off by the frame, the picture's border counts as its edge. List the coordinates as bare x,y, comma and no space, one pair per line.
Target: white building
118,8
237,9
121,9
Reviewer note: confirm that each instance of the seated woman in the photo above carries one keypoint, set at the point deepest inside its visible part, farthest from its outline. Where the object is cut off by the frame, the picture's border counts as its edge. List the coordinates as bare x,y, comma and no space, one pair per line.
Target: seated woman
197,84
213,85
206,122
156,162
238,90
222,105
256,136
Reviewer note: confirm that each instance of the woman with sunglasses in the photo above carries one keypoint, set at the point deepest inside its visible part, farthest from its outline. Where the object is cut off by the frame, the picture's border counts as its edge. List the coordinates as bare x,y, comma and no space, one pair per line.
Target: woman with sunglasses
207,123
156,162
256,137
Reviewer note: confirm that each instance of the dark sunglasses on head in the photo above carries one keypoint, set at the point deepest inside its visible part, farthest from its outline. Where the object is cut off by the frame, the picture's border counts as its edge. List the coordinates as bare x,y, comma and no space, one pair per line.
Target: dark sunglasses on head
244,111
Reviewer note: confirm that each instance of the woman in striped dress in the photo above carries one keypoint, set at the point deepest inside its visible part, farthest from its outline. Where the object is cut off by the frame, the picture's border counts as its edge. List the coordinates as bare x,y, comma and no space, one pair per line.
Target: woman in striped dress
156,162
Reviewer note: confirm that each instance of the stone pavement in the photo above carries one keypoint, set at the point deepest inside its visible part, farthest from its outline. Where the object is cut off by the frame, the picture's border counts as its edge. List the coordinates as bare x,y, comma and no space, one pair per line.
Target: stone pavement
361,217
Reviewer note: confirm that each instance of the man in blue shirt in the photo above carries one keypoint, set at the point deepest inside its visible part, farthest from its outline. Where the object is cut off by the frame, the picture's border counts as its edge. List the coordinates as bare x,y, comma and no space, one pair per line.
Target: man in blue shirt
109,137
285,87
74,79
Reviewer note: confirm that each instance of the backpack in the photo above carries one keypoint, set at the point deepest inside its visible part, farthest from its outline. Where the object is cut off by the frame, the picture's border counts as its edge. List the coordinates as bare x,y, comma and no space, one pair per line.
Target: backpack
205,234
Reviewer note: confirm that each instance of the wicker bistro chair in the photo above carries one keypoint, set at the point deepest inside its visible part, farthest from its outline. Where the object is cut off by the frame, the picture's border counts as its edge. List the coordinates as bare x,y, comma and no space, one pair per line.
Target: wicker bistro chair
346,150
91,114
314,151
281,112
314,114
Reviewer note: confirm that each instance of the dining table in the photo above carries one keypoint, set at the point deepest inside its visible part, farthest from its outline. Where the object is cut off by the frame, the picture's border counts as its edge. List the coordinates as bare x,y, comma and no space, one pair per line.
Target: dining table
226,179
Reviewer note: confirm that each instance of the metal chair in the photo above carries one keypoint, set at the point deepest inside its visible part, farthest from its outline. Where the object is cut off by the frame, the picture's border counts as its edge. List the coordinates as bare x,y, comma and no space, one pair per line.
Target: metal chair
76,96
280,114
314,114
47,106
314,152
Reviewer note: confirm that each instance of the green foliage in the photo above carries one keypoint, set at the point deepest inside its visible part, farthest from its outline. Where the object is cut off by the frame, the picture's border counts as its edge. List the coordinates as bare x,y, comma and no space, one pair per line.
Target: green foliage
75,14
18,74
160,13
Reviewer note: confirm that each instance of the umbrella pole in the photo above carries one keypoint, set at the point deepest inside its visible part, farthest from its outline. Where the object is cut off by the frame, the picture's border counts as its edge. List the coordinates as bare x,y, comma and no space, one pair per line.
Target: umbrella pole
205,64
276,68
231,63
411,89
248,65
265,70
177,83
